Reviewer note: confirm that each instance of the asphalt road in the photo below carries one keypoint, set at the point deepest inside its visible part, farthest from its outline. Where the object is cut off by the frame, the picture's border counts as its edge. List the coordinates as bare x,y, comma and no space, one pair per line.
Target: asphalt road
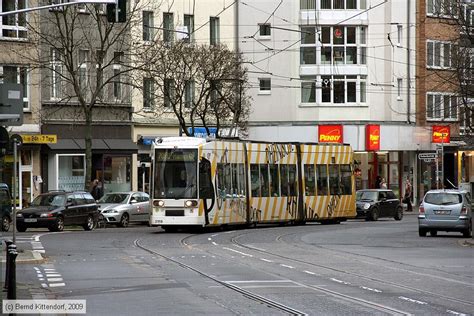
357,267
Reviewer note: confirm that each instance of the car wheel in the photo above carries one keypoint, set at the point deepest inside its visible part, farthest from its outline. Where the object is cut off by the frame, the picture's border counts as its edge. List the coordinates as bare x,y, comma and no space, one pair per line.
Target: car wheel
90,224
58,225
5,223
399,215
421,232
21,228
433,233
124,220
468,232
374,215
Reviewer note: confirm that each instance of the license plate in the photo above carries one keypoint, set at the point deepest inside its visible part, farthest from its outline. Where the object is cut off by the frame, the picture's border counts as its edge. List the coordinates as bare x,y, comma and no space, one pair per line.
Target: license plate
30,220
442,212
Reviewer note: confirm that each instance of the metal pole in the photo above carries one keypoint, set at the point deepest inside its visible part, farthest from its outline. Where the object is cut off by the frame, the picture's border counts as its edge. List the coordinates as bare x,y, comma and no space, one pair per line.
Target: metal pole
143,177
442,161
15,158
437,168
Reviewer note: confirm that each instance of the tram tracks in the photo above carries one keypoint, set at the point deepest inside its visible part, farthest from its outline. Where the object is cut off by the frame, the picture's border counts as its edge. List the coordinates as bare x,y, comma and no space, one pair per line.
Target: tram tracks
235,241
245,293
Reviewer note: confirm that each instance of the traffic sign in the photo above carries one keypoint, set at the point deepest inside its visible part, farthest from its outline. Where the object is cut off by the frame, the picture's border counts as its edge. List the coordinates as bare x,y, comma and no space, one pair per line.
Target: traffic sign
430,156
39,139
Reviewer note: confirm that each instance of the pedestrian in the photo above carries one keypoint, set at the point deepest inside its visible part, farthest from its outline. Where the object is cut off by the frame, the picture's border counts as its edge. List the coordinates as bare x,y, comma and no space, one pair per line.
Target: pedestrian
408,195
94,189
377,182
383,183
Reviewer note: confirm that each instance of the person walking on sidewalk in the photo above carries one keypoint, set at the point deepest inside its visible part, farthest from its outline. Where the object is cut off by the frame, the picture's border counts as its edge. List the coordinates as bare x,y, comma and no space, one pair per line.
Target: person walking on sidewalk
408,195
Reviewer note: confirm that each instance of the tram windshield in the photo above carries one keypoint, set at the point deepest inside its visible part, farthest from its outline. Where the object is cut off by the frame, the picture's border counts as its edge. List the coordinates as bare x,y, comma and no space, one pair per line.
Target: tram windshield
175,174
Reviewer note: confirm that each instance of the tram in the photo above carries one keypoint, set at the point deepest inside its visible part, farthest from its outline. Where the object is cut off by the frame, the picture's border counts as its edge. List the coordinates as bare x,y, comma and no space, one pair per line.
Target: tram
199,182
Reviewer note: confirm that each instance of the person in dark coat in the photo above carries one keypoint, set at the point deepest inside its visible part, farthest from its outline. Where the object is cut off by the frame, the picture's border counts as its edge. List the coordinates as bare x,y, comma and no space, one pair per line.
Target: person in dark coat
95,190
378,181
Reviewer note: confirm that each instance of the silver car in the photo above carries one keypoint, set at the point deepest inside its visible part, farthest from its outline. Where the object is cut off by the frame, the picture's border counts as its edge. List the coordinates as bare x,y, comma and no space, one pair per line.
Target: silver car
121,208
445,210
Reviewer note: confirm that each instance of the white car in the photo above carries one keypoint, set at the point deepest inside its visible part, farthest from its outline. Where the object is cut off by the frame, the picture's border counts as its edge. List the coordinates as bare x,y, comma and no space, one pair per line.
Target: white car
121,208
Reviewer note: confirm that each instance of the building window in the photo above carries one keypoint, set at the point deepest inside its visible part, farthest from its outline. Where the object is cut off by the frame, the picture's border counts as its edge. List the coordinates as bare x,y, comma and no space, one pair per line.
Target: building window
189,94
399,88
148,25
117,67
168,27
441,106
442,8
343,89
339,45
148,89
18,75
13,25
56,74
189,24
83,75
265,85
265,30
339,4
308,4
308,91
168,92
440,54
214,30
399,35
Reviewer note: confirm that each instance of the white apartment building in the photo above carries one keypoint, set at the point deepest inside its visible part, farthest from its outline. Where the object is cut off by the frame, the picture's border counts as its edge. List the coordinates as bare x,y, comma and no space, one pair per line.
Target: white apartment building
208,22
349,64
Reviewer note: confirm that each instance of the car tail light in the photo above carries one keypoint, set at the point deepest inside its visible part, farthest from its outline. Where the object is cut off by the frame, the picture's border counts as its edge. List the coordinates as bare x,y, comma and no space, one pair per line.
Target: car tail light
422,209
464,211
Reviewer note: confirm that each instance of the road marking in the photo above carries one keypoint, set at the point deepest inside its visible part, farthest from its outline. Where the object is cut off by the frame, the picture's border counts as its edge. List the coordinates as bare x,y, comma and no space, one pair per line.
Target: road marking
239,252
309,272
256,248
36,268
286,266
214,243
44,285
266,260
209,238
55,280
455,313
412,300
370,289
39,274
339,281
49,269
52,274
214,235
57,284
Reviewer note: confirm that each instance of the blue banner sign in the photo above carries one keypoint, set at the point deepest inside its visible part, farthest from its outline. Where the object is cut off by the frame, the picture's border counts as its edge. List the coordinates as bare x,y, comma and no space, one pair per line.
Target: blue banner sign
201,132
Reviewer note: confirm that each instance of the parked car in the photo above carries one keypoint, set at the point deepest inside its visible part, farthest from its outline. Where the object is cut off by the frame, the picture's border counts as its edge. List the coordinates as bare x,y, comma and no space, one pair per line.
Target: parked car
5,207
121,208
375,203
445,210
57,209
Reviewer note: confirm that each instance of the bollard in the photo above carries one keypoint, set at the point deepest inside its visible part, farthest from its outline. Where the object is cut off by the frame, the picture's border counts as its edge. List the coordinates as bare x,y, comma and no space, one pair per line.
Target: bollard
11,294
7,262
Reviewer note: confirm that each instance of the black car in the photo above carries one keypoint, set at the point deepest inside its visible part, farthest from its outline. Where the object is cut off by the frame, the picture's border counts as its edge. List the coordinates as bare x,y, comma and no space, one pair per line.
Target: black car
376,203
5,207
54,210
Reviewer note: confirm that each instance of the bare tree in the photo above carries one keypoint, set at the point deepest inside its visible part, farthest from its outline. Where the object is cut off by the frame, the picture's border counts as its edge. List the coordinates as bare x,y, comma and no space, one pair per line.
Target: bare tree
199,85
86,66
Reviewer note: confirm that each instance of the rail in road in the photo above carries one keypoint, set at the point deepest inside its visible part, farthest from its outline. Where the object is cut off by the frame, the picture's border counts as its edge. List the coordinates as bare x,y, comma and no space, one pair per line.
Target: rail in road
272,303
235,241
250,295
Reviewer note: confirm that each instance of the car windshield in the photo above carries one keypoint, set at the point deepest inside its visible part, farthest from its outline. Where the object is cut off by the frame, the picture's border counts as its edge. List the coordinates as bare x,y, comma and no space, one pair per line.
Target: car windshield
114,198
366,195
441,198
49,200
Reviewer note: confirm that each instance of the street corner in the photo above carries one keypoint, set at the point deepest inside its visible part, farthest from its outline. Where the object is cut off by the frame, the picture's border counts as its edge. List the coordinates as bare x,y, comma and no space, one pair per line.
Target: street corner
467,242
27,257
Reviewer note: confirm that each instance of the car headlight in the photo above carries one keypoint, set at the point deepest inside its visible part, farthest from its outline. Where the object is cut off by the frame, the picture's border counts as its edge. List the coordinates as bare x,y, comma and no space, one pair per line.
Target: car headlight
46,215
19,215
366,206
111,211
159,203
190,203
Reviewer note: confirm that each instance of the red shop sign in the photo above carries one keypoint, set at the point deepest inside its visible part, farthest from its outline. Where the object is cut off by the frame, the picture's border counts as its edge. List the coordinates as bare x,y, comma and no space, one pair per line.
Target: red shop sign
440,134
330,134
372,137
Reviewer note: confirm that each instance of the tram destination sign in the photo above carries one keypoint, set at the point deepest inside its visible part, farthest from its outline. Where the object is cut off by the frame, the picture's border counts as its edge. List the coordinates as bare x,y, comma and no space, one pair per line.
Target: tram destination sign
427,156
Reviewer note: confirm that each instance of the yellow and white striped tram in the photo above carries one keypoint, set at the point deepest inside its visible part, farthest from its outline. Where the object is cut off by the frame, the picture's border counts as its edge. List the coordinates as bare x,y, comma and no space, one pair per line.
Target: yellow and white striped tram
229,182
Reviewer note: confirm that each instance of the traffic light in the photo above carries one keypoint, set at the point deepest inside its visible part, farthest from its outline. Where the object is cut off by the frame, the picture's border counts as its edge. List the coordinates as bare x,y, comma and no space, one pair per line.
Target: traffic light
117,17
4,141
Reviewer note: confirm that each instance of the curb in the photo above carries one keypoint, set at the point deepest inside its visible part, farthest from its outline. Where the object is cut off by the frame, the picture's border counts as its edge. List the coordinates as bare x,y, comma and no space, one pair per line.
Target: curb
28,257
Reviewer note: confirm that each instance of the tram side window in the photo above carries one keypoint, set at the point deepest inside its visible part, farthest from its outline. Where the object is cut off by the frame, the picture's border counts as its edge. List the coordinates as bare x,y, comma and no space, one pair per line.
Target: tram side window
292,179
309,180
346,179
235,179
274,181
228,178
284,180
254,180
322,179
241,177
264,180
334,181
220,180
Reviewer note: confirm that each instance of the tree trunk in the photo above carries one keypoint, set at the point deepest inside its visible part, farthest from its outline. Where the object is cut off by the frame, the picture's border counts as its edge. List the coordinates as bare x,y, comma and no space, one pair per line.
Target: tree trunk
88,141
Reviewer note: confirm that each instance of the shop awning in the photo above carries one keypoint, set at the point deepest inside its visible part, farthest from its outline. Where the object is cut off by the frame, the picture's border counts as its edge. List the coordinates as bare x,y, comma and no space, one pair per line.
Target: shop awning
97,144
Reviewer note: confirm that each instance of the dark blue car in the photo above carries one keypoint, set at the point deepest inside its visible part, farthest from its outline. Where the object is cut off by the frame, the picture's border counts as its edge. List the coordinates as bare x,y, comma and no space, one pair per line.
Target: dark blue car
5,207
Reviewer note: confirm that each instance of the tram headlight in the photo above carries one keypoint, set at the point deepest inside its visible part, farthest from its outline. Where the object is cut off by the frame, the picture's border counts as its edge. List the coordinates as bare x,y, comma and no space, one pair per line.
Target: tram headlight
159,203
190,203
366,206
